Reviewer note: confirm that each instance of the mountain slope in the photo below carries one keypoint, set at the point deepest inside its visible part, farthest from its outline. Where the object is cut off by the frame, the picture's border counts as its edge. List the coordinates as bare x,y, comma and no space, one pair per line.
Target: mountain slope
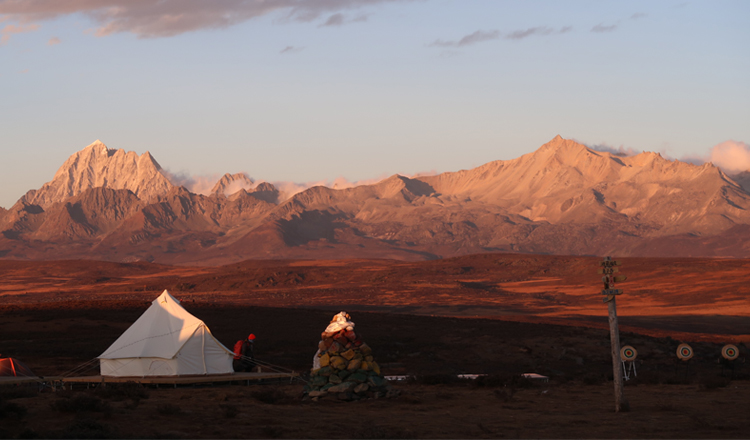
561,199
97,166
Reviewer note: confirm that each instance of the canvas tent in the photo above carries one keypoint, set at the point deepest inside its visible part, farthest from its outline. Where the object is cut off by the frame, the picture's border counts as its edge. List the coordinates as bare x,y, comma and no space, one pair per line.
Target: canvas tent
15,368
166,341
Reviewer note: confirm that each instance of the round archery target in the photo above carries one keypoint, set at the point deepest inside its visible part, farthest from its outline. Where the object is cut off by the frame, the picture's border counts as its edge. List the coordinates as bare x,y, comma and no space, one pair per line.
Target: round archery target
684,352
628,353
730,352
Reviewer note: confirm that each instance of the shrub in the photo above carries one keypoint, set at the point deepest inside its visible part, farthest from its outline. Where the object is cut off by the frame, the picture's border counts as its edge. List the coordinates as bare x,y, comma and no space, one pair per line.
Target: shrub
81,403
271,396
713,382
17,392
87,428
505,394
492,381
272,431
124,391
230,410
438,379
375,431
593,379
12,410
168,409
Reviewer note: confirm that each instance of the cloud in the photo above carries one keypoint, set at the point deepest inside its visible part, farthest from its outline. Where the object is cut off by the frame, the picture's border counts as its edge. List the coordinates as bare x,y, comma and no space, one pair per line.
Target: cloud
165,18
54,40
481,36
638,15
10,29
203,184
600,28
621,151
334,20
518,35
339,19
239,185
197,184
291,49
731,156
470,39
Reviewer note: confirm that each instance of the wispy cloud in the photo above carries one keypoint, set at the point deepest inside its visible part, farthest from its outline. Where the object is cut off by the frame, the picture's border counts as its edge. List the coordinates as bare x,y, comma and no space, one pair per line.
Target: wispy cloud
481,36
731,156
165,18
339,19
10,29
291,49
638,15
334,20
600,28
54,40
476,37
196,184
621,151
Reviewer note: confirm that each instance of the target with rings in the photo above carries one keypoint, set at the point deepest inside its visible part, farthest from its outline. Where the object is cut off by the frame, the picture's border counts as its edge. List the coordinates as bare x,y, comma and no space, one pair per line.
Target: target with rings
628,353
730,352
684,352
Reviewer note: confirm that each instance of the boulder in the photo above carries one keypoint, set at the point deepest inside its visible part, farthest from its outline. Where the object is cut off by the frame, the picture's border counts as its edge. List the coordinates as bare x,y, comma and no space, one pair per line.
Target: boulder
361,388
342,387
348,355
354,364
338,362
365,349
377,381
325,371
325,360
358,377
334,379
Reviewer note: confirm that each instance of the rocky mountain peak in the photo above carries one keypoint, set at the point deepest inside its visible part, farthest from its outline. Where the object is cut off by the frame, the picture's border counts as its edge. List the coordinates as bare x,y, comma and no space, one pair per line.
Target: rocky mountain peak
98,166
231,183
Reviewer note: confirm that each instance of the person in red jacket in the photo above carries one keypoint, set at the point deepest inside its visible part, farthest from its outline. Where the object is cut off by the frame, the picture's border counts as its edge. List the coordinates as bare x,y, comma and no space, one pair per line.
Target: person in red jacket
244,356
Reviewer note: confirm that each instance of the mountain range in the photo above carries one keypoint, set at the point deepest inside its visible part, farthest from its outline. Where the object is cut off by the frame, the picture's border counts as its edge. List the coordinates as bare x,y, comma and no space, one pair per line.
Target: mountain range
563,198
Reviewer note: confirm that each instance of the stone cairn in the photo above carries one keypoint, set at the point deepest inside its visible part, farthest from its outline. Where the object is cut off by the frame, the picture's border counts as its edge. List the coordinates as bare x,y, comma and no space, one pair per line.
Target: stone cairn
344,367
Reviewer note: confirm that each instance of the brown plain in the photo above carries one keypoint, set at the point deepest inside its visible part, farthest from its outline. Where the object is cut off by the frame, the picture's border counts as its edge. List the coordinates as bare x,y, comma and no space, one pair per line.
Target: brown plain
497,314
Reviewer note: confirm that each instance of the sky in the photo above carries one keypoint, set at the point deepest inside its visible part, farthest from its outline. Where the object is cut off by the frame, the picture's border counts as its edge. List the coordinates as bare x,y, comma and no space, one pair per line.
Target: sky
357,90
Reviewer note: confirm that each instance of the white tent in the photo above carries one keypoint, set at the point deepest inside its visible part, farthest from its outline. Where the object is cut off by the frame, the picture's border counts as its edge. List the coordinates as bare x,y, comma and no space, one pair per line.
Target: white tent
166,341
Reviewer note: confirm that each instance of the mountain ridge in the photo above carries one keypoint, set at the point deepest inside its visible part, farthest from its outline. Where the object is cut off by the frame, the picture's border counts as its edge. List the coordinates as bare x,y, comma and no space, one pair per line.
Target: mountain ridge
563,198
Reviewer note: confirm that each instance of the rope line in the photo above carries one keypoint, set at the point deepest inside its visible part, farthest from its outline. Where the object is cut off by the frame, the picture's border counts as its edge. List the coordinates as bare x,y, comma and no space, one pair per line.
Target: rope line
82,367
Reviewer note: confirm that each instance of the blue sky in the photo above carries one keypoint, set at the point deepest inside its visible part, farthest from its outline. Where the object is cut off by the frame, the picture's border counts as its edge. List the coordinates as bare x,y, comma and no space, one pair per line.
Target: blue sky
312,90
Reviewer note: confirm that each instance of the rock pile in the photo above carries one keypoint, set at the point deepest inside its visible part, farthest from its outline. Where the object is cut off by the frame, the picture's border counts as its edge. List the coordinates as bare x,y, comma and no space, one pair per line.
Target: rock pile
344,367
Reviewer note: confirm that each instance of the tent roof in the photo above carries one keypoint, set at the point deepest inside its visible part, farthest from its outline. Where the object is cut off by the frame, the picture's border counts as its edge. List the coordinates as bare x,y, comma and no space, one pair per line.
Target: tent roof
14,367
160,332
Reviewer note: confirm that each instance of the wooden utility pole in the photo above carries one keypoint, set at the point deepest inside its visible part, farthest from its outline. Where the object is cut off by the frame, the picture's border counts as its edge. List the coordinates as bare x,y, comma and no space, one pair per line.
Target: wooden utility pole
610,293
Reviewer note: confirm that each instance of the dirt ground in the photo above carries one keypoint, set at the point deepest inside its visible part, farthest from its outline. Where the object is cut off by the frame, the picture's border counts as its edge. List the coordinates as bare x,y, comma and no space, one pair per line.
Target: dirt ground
668,398
503,322
571,410
696,299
